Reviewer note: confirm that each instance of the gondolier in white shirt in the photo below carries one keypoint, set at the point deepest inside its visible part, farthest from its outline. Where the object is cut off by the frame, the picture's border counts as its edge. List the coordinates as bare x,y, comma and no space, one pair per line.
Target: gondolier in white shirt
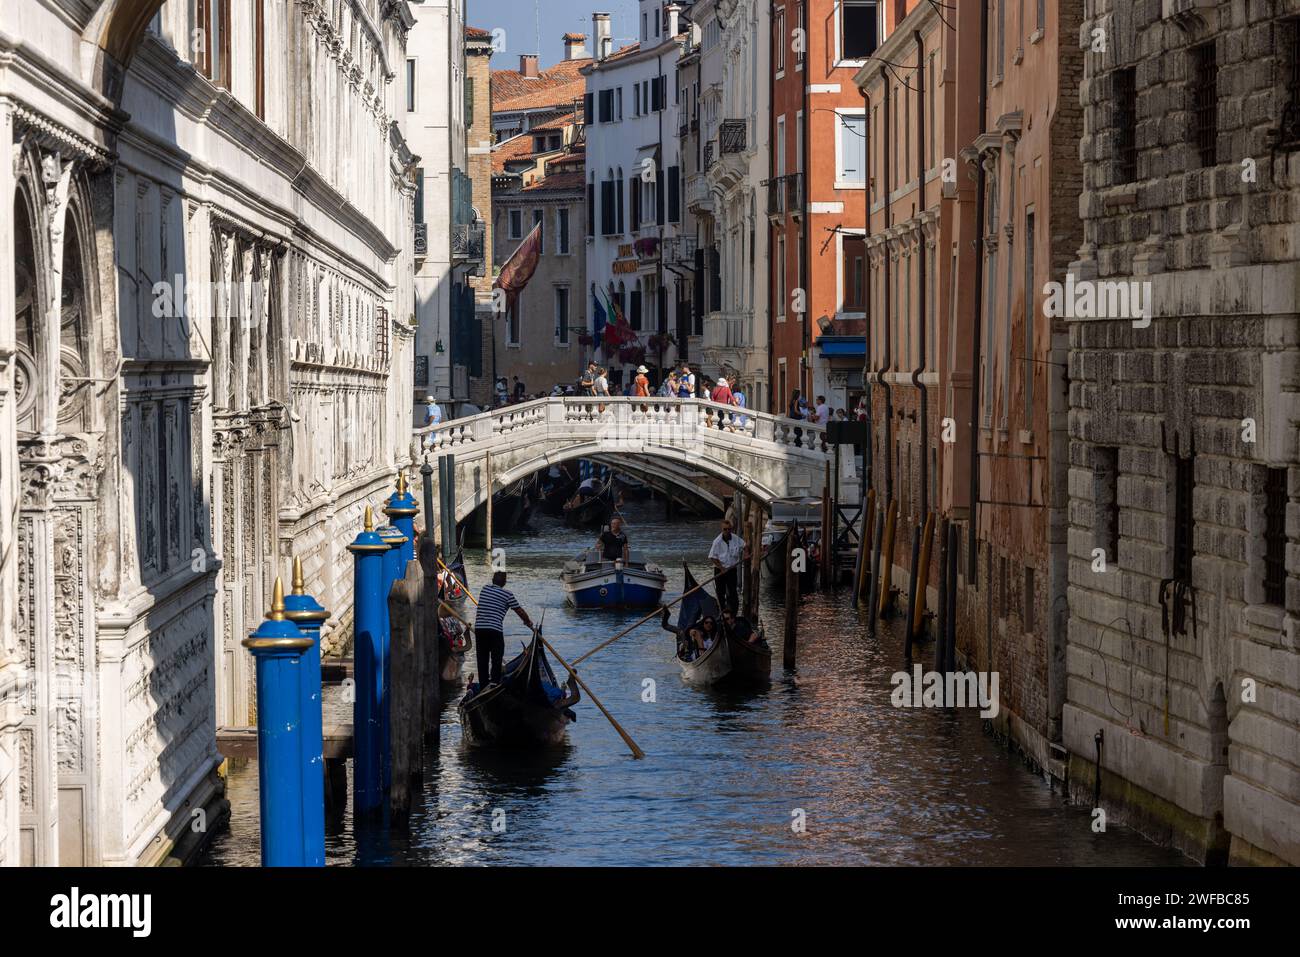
489,627
727,551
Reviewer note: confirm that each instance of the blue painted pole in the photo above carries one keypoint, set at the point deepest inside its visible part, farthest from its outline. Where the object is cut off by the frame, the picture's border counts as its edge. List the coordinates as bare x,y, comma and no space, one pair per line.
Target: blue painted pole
277,648
370,623
394,568
401,510
306,612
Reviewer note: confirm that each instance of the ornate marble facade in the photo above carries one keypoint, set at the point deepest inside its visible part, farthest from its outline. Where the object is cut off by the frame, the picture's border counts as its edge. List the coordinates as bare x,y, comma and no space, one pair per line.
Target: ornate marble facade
200,375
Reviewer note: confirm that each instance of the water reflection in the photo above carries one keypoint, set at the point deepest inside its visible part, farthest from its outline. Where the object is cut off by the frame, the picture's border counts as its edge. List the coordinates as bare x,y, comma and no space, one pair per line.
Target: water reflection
728,773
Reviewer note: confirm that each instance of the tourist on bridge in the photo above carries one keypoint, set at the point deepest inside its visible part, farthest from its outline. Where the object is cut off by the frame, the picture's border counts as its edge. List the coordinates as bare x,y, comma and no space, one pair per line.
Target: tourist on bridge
642,382
727,551
588,381
432,413
823,410
738,400
668,389
721,392
520,391
613,542
502,391
489,626
798,408
687,378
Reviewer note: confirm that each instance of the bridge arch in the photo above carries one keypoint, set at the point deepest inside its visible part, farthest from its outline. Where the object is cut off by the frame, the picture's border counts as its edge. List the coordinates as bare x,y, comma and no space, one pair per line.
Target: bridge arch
765,456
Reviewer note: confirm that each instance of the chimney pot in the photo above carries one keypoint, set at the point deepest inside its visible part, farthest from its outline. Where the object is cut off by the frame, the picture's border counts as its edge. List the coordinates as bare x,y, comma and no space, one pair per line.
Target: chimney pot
601,37
528,64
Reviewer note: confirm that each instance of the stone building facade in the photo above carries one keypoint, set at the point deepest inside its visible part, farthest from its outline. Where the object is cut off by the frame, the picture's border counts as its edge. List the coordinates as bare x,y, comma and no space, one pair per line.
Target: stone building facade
1183,659
203,371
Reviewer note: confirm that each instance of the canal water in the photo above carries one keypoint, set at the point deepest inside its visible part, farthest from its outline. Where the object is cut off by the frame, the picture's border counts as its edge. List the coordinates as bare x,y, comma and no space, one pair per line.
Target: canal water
727,778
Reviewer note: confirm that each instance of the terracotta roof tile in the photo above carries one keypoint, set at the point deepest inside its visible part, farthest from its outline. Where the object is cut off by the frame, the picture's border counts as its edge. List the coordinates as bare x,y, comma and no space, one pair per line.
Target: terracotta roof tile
562,96
516,148
477,33
557,181
509,85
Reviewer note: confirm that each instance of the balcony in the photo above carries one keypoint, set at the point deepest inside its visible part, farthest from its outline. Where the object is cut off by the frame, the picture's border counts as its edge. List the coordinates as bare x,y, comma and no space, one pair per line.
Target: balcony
679,251
785,195
731,136
421,240
724,330
699,195
467,242
708,154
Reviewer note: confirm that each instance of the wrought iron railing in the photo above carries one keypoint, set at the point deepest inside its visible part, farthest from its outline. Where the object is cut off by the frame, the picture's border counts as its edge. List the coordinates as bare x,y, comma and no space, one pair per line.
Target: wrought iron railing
467,242
731,136
708,154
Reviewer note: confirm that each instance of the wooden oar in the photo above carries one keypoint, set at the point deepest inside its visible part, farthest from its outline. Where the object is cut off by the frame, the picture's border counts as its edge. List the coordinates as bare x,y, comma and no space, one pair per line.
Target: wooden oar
627,738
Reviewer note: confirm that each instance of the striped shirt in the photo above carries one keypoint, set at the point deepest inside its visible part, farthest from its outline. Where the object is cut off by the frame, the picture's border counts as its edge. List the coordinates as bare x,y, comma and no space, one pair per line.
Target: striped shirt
493,603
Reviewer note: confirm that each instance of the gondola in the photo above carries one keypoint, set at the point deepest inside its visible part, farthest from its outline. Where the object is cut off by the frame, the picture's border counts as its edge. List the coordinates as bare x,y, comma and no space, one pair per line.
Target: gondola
632,489
589,512
526,709
507,507
591,582
529,492
774,546
454,643
454,590
751,662
557,491
714,665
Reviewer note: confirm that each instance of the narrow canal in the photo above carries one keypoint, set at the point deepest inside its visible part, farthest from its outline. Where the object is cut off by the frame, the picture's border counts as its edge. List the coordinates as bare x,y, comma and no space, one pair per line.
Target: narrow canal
725,775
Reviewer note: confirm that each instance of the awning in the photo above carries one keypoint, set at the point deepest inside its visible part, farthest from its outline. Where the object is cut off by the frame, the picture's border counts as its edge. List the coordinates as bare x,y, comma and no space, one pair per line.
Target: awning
842,346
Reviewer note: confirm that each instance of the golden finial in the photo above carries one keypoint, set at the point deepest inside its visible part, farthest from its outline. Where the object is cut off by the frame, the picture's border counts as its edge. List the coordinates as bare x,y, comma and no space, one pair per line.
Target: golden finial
370,519
299,586
401,483
277,601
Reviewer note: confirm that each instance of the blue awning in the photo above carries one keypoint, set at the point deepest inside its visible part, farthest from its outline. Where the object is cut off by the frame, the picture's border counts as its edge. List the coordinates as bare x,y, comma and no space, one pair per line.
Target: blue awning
847,346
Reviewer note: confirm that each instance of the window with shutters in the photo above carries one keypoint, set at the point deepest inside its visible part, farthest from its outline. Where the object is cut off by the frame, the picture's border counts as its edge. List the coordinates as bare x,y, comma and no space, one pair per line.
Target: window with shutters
674,194
516,230
606,106
562,230
212,58
778,40
587,107
591,207
469,101
619,204
851,149
608,220
410,86
634,319
562,315
634,197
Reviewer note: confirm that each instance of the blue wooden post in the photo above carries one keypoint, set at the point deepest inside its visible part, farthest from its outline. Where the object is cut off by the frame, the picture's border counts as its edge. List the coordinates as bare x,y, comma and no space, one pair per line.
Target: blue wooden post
401,510
305,612
277,647
394,569
370,624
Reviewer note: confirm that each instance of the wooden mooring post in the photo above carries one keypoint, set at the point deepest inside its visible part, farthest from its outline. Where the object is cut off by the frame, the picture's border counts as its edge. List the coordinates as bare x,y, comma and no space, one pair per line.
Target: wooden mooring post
487,533
828,532
413,622
791,600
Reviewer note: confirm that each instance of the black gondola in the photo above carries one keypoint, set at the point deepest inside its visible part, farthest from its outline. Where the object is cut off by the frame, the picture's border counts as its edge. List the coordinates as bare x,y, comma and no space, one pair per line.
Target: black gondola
526,709
774,545
590,511
556,491
732,661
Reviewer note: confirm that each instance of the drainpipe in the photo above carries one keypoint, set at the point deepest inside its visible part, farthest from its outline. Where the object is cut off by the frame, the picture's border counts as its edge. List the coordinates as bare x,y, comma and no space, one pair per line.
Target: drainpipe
773,403
921,275
805,249
972,548
887,358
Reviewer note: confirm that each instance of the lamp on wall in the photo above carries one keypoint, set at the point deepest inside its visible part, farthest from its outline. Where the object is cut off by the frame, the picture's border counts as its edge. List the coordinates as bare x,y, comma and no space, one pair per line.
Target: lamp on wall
439,348
825,325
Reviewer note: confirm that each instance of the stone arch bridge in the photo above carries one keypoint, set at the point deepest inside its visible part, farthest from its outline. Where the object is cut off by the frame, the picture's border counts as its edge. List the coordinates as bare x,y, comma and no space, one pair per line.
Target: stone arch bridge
763,455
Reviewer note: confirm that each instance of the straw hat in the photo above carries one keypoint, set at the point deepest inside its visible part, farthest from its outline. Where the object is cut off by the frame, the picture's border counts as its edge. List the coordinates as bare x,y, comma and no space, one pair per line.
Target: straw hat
642,369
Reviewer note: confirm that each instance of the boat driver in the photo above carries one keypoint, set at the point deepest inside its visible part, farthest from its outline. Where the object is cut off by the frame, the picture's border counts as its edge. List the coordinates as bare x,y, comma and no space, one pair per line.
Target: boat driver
613,543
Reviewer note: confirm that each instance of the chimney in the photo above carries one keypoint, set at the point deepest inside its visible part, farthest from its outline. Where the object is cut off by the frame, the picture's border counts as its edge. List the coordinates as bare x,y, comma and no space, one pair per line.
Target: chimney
600,35
575,46
528,65
673,11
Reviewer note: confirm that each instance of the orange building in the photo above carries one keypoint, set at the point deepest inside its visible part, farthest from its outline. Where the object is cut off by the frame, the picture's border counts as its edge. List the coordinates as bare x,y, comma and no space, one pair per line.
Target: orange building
816,197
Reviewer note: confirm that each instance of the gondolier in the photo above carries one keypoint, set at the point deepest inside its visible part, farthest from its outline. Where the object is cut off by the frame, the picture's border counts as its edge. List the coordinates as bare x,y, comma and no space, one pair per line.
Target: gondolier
489,627
727,551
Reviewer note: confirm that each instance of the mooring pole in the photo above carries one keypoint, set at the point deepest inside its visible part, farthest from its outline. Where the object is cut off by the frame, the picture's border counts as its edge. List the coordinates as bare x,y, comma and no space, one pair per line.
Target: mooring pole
917,610
393,567
488,535
911,589
401,511
446,536
887,558
862,571
873,606
306,612
370,609
449,543
950,641
426,474
277,648
791,600
941,610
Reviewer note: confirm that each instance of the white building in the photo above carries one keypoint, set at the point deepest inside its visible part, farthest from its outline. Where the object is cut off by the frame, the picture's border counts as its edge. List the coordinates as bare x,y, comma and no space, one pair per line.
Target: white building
729,77
160,464
449,235
634,197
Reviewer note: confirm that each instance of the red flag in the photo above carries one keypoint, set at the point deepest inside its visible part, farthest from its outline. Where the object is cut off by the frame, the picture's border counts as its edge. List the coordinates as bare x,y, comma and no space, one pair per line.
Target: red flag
521,265
620,328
